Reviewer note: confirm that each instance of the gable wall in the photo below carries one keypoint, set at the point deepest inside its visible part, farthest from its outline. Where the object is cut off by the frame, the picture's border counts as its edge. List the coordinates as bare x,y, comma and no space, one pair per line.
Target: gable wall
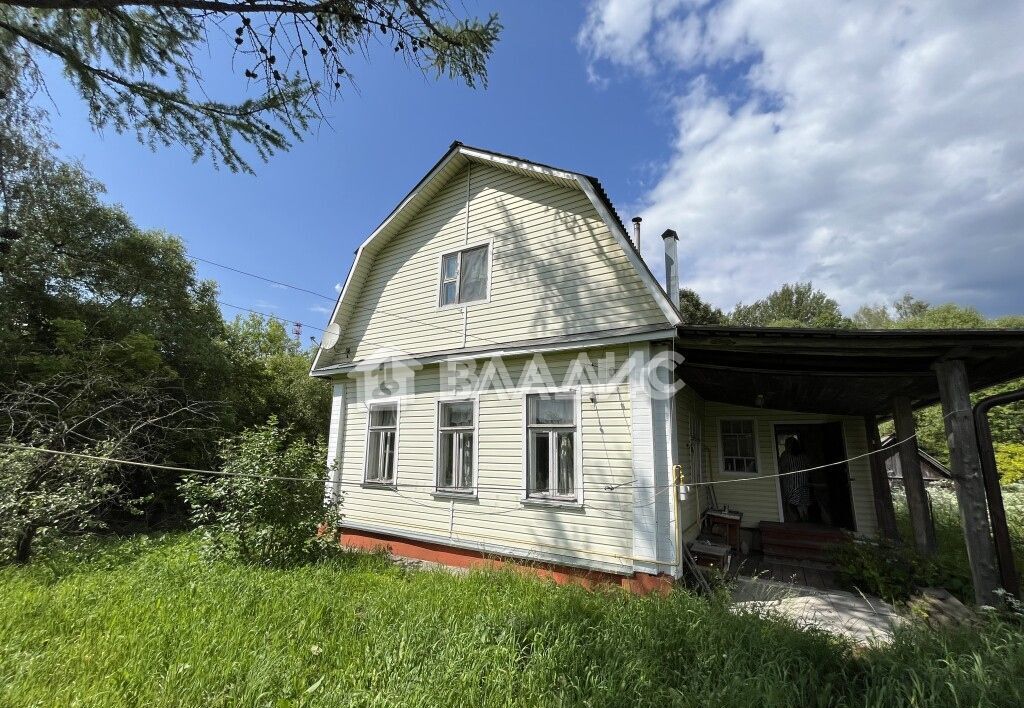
556,270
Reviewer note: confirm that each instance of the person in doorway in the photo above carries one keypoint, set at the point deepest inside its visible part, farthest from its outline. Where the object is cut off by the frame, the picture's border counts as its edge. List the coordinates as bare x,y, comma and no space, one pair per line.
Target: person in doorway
795,481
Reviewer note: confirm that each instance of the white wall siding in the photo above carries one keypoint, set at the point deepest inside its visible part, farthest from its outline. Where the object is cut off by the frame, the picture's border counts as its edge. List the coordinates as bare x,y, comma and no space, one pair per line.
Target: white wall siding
556,270
335,438
599,532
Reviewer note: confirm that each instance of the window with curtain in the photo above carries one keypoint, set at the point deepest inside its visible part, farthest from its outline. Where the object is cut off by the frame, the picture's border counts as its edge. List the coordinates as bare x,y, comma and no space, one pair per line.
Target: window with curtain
551,443
739,452
455,446
464,276
382,443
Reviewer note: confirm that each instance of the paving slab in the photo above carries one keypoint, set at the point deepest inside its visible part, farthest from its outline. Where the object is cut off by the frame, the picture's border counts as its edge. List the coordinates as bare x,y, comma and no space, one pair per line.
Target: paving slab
860,618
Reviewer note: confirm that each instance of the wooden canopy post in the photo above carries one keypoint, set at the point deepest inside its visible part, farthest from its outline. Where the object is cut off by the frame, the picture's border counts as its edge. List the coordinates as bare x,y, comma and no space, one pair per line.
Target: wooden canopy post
965,465
885,514
910,467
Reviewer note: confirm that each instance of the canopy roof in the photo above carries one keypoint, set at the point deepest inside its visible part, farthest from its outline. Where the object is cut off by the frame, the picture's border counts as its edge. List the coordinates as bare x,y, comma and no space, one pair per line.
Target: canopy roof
852,372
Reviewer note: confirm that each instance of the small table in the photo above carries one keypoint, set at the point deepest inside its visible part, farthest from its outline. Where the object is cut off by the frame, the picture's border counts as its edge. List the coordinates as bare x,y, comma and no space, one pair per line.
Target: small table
729,523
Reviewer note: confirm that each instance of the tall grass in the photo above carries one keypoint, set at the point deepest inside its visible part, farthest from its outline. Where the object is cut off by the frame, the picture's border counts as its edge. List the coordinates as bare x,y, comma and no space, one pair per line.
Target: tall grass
146,622
948,529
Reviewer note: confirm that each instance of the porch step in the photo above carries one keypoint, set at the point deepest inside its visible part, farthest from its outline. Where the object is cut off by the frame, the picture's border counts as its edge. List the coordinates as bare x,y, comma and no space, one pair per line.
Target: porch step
803,541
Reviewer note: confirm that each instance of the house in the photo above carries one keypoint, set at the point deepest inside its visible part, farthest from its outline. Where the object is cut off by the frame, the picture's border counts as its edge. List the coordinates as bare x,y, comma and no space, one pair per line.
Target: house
932,470
511,381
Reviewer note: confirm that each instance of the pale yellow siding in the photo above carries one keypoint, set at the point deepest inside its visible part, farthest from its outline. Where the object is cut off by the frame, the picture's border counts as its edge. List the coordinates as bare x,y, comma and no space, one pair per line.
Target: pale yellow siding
759,499
693,458
556,270
601,531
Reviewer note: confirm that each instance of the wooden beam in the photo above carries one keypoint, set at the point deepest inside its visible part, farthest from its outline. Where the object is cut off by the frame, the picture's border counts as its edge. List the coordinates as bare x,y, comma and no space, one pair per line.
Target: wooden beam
965,465
885,514
910,468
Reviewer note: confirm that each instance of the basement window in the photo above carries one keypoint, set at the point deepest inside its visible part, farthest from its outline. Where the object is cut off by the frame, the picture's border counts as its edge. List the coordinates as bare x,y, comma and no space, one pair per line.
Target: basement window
552,447
739,447
382,443
456,446
464,276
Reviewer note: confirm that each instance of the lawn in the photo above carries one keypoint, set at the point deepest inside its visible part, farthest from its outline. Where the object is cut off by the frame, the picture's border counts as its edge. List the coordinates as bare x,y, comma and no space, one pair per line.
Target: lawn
147,622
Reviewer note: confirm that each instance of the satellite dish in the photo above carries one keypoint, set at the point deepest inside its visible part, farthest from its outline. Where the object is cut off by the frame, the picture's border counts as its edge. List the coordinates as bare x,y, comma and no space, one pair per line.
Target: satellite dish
331,335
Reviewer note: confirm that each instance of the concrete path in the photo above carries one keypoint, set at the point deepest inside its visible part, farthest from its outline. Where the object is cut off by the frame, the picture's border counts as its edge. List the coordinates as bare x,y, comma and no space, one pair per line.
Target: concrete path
862,619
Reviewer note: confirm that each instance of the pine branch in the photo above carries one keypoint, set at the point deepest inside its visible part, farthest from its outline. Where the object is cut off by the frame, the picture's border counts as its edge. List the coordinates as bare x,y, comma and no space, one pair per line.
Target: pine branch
120,54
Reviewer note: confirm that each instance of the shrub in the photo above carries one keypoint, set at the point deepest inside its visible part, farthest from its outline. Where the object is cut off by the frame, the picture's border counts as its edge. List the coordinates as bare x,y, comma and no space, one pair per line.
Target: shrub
895,572
274,517
1010,462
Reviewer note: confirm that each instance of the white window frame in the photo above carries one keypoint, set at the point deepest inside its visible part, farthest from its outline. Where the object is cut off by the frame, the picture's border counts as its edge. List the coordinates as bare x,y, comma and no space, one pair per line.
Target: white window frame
548,499
455,491
458,274
721,445
370,405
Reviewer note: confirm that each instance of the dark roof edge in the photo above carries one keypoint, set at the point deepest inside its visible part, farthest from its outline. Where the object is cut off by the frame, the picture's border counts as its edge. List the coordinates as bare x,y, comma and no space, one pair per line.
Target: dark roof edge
822,333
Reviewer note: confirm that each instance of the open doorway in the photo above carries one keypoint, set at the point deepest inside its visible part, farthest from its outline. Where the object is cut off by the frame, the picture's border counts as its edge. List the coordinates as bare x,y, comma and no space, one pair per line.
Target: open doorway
821,496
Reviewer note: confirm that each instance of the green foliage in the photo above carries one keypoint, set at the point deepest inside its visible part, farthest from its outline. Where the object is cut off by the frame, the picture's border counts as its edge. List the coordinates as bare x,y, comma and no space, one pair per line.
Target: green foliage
1010,462
145,623
697,312
792,305
894,572
109,410
1007,422
270,376
137,67
97,311
260,520
41,497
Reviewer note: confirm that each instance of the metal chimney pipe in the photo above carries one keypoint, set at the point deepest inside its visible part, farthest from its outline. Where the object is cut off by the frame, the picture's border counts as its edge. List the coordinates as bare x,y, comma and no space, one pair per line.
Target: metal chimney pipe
636,231
671,240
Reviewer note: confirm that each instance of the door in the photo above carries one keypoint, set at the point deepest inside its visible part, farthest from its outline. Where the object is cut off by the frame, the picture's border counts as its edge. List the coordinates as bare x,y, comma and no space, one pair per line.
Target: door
821,449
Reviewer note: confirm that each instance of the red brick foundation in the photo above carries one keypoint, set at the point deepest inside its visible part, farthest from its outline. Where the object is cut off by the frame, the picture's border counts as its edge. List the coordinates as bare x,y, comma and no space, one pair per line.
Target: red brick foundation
640,583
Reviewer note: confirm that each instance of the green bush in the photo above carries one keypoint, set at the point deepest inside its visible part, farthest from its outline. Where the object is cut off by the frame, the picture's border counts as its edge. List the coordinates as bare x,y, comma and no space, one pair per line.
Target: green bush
895,572
1010,462
275,517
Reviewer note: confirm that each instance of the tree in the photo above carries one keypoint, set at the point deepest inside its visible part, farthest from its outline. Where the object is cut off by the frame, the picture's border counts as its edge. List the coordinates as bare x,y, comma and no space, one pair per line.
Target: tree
270,376
134,62
1007,422
792,305
115,407
697,312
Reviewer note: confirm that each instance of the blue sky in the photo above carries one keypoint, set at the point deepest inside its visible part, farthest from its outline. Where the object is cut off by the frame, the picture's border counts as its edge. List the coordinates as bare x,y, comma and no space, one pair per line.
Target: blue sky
855,147
304,213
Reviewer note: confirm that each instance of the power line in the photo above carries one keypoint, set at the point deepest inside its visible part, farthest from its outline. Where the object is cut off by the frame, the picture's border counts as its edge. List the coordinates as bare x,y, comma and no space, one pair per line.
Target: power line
262,277
889,449
383,311
267,314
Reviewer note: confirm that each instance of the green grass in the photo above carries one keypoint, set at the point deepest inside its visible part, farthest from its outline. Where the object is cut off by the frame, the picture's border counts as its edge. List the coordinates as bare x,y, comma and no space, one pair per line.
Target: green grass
146,622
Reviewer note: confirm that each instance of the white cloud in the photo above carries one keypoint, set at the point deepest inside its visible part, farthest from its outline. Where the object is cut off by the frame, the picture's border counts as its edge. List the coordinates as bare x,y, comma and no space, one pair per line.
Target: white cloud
873,148
338,287
320,309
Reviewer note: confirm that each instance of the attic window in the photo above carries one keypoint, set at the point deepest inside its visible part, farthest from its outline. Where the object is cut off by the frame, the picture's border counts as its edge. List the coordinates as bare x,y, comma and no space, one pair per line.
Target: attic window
464,276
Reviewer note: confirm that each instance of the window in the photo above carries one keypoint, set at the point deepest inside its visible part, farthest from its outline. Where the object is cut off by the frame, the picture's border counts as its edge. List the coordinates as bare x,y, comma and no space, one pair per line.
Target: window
455,446
464,276
739,452
551,446
382,443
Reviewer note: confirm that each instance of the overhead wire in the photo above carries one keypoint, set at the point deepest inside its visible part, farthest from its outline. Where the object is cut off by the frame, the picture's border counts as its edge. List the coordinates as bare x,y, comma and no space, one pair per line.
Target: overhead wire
389,312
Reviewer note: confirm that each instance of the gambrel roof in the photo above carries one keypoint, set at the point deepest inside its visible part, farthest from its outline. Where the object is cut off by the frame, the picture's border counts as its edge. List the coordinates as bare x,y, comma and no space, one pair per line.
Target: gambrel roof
454,161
